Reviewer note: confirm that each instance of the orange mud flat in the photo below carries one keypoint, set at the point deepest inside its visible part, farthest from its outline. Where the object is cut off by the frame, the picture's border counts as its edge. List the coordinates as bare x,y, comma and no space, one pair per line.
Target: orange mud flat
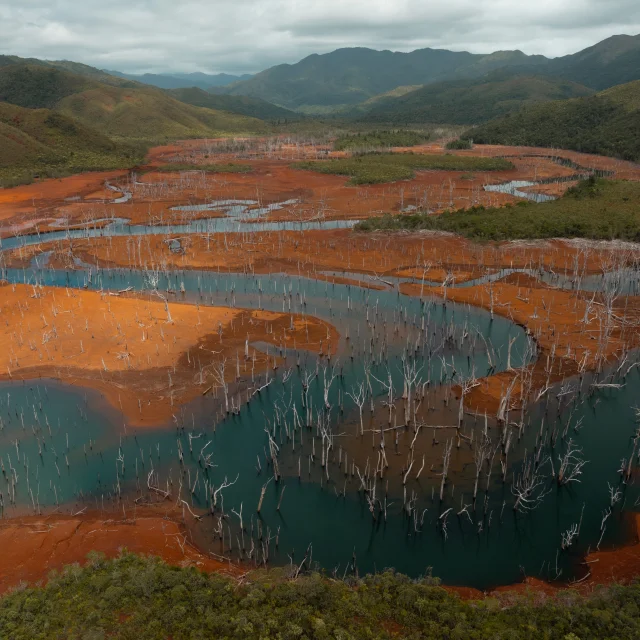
36,545
273,179
147,356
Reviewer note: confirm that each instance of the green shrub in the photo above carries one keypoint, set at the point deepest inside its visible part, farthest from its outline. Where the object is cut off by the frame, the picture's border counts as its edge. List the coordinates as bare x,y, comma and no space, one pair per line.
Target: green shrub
460,144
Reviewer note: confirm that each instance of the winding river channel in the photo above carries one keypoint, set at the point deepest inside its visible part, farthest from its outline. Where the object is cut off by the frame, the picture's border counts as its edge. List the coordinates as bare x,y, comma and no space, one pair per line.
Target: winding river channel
67,446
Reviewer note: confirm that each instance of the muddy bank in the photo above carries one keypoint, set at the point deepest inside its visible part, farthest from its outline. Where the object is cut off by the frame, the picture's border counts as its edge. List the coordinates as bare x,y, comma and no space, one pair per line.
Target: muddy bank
41,544
145,355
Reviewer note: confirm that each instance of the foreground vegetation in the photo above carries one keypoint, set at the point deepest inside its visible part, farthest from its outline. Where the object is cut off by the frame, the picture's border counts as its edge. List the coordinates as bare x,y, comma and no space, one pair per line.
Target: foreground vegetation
594,209
607,123
379,139
135,597
375,168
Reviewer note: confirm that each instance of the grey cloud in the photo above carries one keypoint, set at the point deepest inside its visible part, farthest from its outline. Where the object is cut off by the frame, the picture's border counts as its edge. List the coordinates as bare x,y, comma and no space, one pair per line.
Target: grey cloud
250,35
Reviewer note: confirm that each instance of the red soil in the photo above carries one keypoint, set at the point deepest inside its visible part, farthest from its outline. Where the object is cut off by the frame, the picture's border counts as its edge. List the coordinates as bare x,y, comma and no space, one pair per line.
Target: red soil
145,365
41,544
273,180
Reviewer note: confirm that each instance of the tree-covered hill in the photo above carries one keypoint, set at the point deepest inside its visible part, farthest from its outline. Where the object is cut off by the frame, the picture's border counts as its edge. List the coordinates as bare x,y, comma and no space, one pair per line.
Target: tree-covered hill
470,101
613,61
607,123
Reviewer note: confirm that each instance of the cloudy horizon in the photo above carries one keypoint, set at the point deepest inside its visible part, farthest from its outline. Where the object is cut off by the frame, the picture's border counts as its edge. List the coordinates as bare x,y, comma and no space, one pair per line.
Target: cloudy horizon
156,36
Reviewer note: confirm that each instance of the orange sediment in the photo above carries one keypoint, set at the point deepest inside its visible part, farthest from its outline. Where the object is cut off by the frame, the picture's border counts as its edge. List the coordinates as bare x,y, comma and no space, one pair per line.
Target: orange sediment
147,356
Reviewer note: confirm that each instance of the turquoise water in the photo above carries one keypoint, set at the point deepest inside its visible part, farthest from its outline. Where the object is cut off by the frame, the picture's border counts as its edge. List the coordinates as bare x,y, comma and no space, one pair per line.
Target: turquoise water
103,452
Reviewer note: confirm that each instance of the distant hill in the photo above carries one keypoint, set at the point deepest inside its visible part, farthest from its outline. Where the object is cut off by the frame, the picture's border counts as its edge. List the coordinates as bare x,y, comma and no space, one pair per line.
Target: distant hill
351,76
44,142
347,77
467,101
607,123
613,61
182,80
244,105
121,108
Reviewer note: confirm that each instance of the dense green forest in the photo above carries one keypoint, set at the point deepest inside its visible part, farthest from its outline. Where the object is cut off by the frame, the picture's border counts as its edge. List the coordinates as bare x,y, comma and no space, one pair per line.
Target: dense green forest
372,168
607,123
471,101
595,209
134,597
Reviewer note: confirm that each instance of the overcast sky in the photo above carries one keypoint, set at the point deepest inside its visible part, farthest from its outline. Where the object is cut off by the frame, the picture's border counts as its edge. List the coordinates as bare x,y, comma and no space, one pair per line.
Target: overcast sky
246,36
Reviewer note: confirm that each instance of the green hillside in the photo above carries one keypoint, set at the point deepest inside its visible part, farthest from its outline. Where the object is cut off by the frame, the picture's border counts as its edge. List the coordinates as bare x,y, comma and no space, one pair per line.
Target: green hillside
351,76
607,123
243,105
150,114
44,143
120,109
613,61
37,86
470,101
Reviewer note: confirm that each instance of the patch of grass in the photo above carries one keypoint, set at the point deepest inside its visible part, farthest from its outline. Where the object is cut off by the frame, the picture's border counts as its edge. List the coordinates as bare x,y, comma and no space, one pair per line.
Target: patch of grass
380,139
136,597
376,168
595,209
229,167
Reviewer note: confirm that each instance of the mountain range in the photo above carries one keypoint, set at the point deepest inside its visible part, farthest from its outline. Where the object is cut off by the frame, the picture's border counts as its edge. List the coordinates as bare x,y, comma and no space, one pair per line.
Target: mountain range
69,116
346,77
182,80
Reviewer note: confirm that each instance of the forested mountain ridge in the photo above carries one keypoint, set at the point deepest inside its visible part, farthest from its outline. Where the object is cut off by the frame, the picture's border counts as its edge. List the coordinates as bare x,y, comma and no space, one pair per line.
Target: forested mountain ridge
347,77
351,76
607,123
